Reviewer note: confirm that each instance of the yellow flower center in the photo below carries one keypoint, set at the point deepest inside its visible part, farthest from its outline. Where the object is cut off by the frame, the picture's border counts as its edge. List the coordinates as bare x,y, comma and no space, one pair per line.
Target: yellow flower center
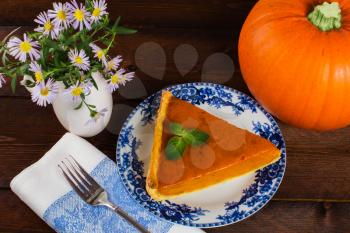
115,79
48,26
100,54
96,12
110,65
61,15
38,76
77,91
44,91
78,60
25,47
79,15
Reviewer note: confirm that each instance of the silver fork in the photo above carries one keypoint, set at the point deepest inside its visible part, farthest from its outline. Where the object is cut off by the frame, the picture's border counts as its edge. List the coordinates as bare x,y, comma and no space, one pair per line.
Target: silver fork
90,191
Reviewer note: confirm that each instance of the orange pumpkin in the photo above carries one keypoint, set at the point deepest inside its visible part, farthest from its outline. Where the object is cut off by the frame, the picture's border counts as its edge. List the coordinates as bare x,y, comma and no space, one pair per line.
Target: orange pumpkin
295,58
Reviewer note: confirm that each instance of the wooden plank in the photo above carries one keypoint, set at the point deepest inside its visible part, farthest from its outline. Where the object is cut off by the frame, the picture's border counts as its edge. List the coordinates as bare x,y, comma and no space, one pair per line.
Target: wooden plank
151,13
295,217
318,164
277,216
15,216
205,42
27,134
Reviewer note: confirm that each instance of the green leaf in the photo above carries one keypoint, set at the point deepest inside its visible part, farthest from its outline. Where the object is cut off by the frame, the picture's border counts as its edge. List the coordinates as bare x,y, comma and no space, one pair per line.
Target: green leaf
22,69
56,61
175,148
30,84
92,113
89,4
79,106
116,23
196,137
13,84
124,30
104,40
177,129
94,83
66,84
4,57
183,138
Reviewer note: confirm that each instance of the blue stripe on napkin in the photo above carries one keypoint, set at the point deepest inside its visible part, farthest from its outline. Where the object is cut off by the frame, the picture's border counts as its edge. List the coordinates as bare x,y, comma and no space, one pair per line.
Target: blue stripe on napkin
72,215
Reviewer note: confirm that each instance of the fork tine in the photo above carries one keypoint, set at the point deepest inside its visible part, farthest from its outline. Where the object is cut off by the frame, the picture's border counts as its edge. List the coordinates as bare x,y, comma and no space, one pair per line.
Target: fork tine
74,177
72,184
83,179
78,183
82,170
92,194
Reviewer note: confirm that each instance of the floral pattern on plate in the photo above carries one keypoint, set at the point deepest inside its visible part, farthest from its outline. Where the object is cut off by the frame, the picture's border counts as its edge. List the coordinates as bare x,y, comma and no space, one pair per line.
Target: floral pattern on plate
133,154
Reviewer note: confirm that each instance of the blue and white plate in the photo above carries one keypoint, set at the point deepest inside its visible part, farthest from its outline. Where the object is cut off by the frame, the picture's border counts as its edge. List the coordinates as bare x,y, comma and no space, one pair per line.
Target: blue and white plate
222,204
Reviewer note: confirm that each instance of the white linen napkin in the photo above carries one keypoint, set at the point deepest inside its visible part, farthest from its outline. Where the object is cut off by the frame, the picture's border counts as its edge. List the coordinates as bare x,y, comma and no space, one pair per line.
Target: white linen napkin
43,188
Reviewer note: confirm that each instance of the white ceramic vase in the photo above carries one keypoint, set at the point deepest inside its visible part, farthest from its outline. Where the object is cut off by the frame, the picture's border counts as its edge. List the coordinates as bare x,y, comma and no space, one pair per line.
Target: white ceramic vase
75,121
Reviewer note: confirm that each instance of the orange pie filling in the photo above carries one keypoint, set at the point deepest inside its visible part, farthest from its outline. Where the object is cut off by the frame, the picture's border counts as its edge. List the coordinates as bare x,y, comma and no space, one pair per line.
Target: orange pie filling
229,151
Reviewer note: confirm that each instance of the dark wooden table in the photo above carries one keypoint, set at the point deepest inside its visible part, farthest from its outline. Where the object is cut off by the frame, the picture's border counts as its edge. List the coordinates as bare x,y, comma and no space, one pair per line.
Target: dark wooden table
315,193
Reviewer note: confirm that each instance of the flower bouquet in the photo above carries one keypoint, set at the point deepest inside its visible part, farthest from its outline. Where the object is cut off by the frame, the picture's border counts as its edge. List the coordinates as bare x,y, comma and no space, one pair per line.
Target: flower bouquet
70,44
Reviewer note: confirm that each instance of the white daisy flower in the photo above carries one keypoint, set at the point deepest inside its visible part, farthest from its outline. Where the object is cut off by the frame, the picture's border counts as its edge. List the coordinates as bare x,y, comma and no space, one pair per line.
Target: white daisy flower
75,92
59,14
46,27
36,69
86,83
2,80
78,16
44,93
118,79
21,48
113,64
79,59
100,8
98,115
99,53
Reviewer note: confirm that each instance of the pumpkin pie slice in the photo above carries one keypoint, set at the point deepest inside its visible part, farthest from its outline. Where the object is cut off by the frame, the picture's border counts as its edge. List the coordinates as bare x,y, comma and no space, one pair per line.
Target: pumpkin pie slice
226,153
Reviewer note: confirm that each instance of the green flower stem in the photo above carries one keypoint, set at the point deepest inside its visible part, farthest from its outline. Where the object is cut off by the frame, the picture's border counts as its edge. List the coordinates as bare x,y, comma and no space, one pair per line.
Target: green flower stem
94,32
97,29
111,42
57,69
101,38
326,16
91,109
10,34
12,65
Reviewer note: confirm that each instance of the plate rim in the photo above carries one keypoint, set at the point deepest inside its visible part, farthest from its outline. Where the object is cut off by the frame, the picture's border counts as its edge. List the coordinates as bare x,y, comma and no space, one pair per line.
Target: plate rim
249,213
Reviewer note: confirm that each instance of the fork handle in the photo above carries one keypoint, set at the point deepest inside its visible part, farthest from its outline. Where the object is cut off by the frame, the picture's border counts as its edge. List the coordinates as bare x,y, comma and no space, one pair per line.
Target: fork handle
128,218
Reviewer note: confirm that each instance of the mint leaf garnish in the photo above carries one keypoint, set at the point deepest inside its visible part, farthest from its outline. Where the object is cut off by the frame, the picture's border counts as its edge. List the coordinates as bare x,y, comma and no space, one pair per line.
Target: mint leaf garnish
183,137
175,148
196,137
177,129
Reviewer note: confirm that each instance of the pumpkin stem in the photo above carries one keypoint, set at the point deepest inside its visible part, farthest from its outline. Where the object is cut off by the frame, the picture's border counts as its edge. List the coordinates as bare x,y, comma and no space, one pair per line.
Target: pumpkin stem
326,16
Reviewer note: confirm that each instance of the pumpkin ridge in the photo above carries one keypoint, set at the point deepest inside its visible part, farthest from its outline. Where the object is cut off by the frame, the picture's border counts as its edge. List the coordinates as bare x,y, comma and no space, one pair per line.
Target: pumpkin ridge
312,97
330,83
